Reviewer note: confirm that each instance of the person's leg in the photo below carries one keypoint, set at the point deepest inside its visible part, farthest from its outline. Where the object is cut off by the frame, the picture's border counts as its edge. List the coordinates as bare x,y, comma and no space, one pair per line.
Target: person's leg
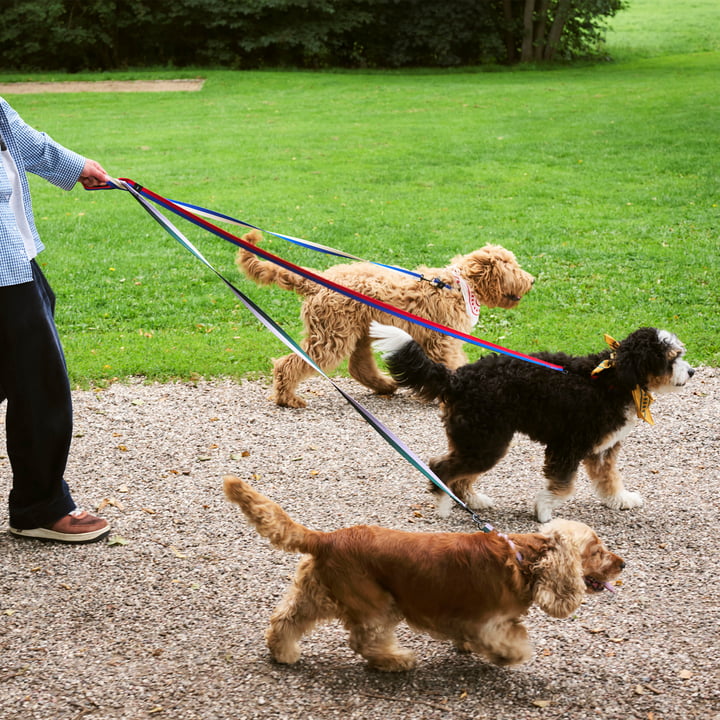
39,410
33,378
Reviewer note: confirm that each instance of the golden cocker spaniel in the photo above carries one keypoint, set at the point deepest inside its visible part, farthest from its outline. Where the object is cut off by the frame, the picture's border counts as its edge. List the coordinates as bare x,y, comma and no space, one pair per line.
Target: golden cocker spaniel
471,588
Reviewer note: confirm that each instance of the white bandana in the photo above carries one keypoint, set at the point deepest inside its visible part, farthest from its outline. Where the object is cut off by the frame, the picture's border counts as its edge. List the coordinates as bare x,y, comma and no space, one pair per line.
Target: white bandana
472,306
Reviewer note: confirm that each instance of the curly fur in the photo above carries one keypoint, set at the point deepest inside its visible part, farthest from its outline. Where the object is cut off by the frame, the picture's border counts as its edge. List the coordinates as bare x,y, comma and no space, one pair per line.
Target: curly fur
470,588
577,416
336,327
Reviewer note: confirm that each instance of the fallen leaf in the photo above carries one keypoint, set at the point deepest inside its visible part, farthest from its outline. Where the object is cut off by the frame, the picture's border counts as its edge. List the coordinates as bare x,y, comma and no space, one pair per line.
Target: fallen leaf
685,674
541,703
110,501
177,553
640,690
117,540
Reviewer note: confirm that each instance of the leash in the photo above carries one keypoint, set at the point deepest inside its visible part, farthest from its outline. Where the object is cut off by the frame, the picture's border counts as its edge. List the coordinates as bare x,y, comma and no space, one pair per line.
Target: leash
200,211
279,333
138,191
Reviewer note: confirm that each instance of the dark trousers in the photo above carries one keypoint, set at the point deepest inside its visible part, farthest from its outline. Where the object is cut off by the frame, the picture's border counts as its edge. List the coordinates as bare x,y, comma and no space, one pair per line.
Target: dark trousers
33,379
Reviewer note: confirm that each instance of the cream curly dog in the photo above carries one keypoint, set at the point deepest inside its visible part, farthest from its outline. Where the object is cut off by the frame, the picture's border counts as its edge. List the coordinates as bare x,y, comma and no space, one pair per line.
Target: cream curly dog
336,327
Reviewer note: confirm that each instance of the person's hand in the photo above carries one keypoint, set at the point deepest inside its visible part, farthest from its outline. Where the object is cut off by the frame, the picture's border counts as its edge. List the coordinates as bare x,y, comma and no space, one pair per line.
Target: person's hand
93,174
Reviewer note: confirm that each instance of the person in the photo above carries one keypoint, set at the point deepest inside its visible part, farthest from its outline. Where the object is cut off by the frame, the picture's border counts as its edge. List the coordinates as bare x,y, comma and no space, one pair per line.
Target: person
33,373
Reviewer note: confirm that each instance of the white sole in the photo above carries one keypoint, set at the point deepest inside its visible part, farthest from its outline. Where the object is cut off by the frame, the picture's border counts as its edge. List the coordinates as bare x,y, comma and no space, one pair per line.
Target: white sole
73,538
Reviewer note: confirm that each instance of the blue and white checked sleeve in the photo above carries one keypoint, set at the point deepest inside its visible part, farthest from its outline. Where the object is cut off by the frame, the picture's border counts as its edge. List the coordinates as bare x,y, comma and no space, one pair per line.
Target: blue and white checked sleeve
41,155
35,152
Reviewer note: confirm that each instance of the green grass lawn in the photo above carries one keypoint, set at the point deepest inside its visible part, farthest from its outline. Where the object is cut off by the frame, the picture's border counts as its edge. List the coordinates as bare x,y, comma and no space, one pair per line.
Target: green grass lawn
603,179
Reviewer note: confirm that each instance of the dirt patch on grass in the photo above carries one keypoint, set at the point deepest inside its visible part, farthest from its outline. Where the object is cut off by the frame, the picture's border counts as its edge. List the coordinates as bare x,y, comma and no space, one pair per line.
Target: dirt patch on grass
26,88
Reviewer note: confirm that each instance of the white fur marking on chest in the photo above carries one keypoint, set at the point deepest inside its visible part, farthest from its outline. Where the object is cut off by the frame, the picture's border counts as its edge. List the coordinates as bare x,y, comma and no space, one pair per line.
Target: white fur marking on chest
620,434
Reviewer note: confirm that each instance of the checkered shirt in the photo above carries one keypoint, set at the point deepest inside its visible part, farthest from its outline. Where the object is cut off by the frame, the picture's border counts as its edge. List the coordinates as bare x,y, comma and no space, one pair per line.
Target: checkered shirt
37,153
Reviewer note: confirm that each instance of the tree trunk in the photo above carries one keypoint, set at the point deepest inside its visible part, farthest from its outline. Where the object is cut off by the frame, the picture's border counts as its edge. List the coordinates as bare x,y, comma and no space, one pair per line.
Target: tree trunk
561,15
526,54
540,30
509,37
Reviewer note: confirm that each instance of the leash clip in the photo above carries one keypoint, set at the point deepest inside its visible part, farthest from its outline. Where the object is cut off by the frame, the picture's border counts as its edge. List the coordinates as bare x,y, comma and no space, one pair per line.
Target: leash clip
482,526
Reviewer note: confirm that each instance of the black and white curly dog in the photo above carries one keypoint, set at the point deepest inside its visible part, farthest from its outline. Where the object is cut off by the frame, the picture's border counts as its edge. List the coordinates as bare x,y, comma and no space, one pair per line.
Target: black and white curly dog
580,415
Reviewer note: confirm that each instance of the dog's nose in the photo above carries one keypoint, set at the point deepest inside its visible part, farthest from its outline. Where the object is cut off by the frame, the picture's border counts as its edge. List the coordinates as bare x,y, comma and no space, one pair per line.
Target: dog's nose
691,372
622,564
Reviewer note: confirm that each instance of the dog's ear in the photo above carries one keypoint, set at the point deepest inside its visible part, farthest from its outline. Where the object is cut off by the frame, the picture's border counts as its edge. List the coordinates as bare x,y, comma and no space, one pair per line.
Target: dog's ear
484,269
639,357
559,585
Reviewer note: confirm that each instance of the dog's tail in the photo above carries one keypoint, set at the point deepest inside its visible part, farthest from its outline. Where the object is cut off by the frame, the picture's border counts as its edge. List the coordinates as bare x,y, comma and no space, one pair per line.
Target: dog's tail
408,363
269,519
265,272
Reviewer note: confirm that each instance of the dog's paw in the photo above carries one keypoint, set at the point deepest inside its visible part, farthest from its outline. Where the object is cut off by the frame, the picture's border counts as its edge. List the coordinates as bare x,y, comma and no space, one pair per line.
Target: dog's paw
289,401
478,501
444,505
283,652
624,500
545,503
396,662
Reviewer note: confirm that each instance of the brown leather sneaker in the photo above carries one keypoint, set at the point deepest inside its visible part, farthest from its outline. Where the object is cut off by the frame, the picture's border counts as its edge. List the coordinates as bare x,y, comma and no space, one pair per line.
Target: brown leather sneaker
77,526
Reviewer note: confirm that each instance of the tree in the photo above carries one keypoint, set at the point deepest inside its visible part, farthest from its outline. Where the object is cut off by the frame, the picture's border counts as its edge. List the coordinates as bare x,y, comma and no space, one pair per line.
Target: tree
75,35
570,27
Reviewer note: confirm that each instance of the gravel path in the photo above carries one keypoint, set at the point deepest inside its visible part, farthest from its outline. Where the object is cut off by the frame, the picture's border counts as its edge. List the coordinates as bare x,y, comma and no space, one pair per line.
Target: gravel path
167,619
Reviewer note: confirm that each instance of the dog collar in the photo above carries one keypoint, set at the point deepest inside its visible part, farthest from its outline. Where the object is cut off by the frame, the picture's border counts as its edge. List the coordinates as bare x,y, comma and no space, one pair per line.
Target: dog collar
641,397
518,554
472,306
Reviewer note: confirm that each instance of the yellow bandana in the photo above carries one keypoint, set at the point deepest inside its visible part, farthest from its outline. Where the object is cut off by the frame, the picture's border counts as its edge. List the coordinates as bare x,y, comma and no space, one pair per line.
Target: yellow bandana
642,398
